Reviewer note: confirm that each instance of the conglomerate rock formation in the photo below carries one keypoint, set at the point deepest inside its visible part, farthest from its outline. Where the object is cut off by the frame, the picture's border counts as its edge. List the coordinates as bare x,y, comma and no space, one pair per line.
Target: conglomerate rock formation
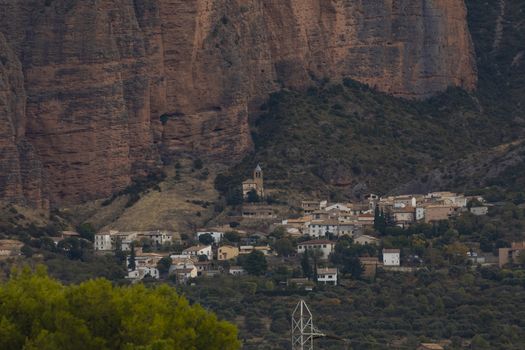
95,91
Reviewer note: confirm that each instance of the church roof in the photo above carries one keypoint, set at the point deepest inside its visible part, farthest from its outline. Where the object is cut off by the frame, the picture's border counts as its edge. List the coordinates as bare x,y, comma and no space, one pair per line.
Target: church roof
258,168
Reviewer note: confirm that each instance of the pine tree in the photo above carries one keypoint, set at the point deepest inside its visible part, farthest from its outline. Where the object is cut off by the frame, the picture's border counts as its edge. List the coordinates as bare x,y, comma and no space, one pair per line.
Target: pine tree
131,264
305,265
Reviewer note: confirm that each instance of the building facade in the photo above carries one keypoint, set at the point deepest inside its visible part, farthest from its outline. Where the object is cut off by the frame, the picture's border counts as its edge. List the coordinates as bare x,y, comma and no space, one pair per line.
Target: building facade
391,257
256,184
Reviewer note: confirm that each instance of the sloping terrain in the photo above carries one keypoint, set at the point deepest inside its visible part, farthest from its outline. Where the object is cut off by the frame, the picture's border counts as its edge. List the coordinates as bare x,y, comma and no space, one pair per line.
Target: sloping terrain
348,140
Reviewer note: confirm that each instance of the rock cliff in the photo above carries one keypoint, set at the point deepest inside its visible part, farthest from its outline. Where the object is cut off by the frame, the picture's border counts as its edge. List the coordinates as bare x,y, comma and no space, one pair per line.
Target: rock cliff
113,86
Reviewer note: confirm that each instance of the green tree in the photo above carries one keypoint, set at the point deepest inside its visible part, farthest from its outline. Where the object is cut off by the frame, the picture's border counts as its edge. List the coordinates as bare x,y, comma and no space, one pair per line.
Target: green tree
279,232
255,263
232,236
353,267
27,251
284,247
86,231
305,265
132,265
39,313
252,196
206,239
164,265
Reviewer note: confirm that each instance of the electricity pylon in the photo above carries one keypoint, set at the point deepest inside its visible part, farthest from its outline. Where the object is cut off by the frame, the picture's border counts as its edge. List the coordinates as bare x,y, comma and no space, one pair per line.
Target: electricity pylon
303,330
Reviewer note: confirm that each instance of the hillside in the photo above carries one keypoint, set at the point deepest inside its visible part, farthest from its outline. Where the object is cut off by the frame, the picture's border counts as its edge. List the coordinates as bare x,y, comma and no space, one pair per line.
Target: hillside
347,139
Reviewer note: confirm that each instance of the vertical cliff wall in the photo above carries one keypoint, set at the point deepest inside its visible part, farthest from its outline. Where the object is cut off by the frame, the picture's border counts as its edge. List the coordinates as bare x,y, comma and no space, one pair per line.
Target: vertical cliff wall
114,85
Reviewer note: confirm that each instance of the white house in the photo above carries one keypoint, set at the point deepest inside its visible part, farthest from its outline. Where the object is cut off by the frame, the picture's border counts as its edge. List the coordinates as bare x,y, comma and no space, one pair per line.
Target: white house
236,271
479,211
338,206
327,276
420,213
217,236
143,271
145,265
321,227
325,247
199,250
107,241
391,257
157,237
104,242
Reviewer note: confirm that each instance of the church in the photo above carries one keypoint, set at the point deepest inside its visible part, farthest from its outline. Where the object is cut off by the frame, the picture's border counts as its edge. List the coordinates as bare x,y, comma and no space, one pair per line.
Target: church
256,183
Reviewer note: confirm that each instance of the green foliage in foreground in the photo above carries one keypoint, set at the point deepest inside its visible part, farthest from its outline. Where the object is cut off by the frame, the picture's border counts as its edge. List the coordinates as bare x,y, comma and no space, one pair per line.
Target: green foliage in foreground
37,312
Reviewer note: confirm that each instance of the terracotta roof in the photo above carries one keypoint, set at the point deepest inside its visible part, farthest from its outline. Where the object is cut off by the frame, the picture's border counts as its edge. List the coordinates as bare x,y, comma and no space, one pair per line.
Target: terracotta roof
391,251
327,270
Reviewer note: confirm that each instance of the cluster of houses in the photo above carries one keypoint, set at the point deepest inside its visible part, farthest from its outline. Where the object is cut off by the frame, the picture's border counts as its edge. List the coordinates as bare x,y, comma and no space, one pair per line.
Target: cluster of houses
322,219
323,248
197,260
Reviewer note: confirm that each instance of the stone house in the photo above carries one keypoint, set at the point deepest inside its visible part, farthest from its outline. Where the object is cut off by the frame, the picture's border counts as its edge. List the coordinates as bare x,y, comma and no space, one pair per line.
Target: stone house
366,239
311,206
256,184
438,212
199,250
325,247
10,247
327,275
227,252
404,216
370,265
510,255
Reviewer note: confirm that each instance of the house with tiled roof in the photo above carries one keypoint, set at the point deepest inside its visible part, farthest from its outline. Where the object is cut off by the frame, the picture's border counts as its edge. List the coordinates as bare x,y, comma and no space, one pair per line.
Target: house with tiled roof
325,247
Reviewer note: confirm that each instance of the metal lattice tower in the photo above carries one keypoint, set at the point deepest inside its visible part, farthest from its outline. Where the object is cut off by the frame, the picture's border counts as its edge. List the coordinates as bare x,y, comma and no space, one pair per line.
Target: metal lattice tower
303,330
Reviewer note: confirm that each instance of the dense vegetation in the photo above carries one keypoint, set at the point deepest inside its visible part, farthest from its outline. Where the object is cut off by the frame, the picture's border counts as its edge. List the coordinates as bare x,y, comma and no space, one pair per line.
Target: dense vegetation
478,307
347,138
37,312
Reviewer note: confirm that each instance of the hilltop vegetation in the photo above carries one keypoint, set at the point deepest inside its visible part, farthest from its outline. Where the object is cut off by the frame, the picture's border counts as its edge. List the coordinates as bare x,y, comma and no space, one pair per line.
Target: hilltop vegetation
37,312
346,139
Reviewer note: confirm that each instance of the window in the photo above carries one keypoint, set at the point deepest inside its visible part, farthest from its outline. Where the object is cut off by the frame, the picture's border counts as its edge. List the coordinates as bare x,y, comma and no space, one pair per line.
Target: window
324,245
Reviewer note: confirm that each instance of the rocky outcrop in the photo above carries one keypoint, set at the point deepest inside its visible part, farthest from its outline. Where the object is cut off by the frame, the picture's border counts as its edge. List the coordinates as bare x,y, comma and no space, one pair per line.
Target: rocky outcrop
113,86
20,169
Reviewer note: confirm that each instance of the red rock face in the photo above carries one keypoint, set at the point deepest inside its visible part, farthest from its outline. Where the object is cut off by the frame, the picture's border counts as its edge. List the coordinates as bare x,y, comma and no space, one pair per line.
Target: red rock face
20,168
100,75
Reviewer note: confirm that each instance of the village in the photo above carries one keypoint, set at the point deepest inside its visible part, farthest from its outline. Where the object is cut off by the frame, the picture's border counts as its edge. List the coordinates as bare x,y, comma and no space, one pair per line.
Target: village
304,242
307,237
